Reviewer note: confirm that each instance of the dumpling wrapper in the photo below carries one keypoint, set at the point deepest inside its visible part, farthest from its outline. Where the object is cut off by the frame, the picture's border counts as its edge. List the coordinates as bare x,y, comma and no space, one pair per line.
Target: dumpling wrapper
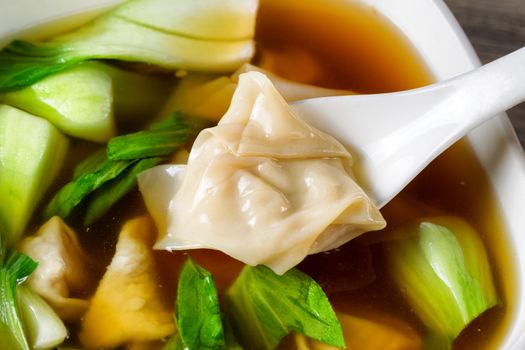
62,268
262,186
129,306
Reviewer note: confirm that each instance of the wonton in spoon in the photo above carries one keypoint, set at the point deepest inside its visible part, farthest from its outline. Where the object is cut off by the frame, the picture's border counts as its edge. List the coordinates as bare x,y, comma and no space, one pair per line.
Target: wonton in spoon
262,186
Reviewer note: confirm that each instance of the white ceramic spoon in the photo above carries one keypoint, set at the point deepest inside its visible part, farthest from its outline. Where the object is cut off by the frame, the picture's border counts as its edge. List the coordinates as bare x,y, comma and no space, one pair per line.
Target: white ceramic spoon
396,135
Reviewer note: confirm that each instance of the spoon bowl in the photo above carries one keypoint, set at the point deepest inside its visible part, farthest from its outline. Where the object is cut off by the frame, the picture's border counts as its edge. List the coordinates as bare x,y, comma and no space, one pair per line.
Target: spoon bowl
396,135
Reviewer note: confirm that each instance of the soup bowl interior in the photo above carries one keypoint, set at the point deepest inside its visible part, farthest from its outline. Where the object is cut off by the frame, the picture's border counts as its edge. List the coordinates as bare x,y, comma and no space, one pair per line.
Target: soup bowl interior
439,40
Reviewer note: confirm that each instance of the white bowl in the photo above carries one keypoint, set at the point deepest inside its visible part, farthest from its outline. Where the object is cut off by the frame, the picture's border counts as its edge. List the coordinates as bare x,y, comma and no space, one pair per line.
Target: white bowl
440,41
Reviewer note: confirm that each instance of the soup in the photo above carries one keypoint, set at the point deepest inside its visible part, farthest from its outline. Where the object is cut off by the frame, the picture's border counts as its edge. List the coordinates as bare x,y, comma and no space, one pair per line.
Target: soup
360,42
338,45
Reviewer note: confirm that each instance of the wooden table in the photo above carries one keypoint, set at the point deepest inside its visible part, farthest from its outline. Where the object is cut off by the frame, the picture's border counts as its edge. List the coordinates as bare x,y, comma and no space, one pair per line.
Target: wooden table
495,28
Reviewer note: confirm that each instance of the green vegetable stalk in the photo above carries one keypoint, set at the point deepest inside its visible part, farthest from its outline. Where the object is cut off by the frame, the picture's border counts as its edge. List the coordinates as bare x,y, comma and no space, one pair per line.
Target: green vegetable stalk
26,321
444,272
83,100
14,267
32,153
44,328
78,101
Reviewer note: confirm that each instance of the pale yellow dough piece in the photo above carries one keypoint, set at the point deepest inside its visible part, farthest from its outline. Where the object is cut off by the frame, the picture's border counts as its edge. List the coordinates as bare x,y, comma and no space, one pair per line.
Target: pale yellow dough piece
62,268
128,305
262,186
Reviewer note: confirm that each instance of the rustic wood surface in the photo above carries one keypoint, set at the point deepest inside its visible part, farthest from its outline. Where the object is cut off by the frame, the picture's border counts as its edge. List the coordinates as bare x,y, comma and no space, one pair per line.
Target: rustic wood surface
495,28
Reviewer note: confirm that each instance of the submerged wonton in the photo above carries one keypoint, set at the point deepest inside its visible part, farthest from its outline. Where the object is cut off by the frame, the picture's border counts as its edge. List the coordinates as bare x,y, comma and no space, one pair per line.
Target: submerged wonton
128,305
62,268
375,331
209,95
262,186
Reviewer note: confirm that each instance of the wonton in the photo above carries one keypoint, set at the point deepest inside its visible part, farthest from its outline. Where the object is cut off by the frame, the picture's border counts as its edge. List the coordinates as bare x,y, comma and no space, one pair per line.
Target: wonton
62,268
209,95
128,305
262,186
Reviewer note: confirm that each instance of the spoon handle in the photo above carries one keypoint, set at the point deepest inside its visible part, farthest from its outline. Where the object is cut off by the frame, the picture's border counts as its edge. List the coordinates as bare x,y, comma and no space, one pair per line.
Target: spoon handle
487,91
453,108
395,135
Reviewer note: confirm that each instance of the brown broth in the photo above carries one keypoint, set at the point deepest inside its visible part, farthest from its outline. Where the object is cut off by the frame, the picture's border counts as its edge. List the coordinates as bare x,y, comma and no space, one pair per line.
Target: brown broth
346,45
332,44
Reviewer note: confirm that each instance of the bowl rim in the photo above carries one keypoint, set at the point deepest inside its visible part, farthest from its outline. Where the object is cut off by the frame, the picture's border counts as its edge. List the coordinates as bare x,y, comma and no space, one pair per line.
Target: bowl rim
437,36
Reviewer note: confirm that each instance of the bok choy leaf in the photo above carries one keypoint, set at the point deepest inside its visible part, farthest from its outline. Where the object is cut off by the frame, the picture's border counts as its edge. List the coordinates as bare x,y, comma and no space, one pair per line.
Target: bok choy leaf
105,177
125,33
69,196
162,138
111,192
443,270
198,314
264,307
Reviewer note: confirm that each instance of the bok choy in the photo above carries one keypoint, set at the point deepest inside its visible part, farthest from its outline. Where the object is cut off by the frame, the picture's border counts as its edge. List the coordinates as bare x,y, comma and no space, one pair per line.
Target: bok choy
84,100
32,153
186,34
102,179
14,267
443,270
78,101
264,307
26,321
44,328
198,313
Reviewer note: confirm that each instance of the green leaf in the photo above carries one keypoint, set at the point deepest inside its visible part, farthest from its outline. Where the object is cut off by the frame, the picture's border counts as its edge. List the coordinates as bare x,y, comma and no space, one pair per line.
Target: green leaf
443,269
69,196
91,163
161,139
144,144
198,313
19,265
178,119
105,180
23,63
175,342
264,307
111,192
